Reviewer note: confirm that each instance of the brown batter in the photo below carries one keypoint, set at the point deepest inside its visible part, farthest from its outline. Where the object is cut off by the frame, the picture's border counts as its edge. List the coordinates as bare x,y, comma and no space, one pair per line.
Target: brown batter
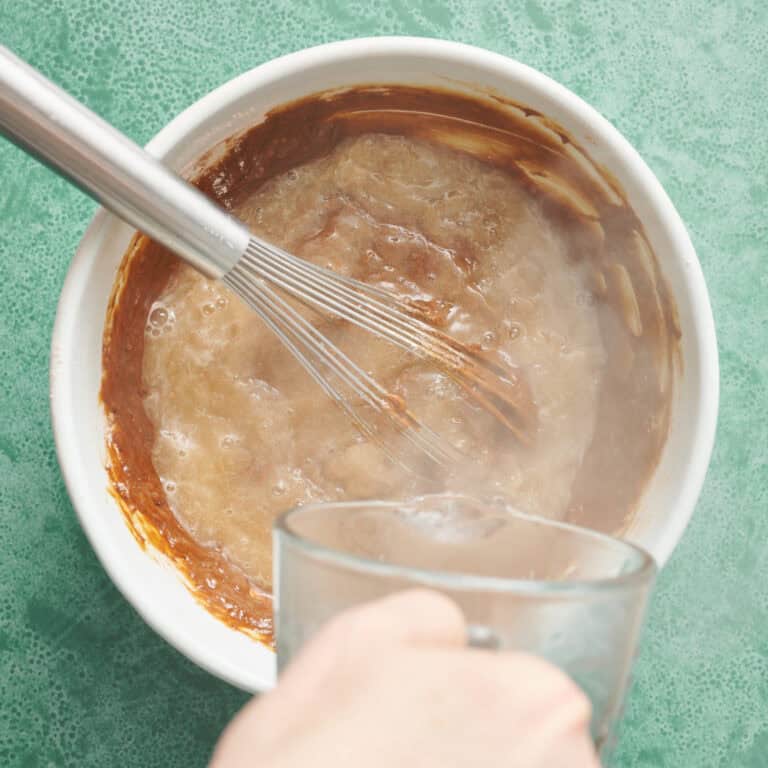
483,207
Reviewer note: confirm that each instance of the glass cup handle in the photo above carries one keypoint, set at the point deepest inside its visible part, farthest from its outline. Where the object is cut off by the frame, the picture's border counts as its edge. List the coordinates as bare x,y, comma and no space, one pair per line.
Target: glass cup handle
480,636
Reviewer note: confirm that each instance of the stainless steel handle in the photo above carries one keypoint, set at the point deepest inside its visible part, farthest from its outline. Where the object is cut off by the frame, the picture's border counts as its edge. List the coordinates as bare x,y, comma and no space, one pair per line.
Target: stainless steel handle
76,143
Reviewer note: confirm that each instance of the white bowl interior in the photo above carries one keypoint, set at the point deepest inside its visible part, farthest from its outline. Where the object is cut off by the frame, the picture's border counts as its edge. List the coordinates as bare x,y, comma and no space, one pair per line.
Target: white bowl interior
153,586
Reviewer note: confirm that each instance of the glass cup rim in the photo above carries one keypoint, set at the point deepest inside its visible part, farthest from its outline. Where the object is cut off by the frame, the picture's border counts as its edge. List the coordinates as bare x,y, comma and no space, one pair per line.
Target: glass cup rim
641,574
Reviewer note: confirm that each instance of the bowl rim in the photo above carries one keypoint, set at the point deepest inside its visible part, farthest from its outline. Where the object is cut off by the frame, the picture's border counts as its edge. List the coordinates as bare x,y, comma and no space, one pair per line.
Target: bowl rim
65,331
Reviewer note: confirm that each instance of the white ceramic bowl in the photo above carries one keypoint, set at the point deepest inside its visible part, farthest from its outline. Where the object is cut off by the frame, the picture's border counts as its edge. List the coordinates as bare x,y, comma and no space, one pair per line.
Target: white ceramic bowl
149,583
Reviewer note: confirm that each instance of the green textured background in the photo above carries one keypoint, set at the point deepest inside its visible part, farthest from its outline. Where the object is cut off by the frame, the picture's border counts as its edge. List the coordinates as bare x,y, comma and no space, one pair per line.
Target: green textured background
82,680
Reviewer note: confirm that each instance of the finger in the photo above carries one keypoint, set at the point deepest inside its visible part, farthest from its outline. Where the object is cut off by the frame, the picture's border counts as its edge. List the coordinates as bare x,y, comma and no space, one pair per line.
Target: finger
416,617
413,618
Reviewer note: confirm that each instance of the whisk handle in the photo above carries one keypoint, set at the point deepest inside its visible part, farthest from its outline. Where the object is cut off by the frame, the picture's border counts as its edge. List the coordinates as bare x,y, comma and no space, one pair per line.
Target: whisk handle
55,128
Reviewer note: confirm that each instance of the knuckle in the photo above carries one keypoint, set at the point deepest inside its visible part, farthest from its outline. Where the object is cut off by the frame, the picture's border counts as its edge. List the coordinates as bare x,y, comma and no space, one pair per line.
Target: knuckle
573,705
353,626
411,617
577,705
427,605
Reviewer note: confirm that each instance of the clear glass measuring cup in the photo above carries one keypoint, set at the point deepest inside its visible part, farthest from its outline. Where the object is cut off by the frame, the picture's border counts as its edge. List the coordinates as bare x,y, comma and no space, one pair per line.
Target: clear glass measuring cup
565,593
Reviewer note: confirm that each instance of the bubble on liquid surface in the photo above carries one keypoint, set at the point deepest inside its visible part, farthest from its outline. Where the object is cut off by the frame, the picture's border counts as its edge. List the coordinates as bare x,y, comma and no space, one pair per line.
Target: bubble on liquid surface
160,320
158,316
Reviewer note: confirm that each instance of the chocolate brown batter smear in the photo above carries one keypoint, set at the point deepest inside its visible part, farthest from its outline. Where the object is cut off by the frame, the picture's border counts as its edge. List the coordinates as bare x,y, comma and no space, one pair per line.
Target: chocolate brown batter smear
603,239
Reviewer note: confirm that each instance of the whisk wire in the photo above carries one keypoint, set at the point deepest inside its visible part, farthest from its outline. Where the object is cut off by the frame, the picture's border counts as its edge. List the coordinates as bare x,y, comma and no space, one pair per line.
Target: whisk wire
307,344
356,302
391,318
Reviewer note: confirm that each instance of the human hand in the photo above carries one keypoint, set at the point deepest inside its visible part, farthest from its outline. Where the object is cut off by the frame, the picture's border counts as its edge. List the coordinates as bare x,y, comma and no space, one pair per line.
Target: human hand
392,683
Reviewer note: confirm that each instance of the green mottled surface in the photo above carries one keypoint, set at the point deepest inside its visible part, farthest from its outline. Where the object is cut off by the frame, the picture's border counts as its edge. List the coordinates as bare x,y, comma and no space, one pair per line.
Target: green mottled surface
82,680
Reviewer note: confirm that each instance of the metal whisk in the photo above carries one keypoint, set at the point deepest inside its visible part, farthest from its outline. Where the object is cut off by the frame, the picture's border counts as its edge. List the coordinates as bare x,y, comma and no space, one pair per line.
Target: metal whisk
61,132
